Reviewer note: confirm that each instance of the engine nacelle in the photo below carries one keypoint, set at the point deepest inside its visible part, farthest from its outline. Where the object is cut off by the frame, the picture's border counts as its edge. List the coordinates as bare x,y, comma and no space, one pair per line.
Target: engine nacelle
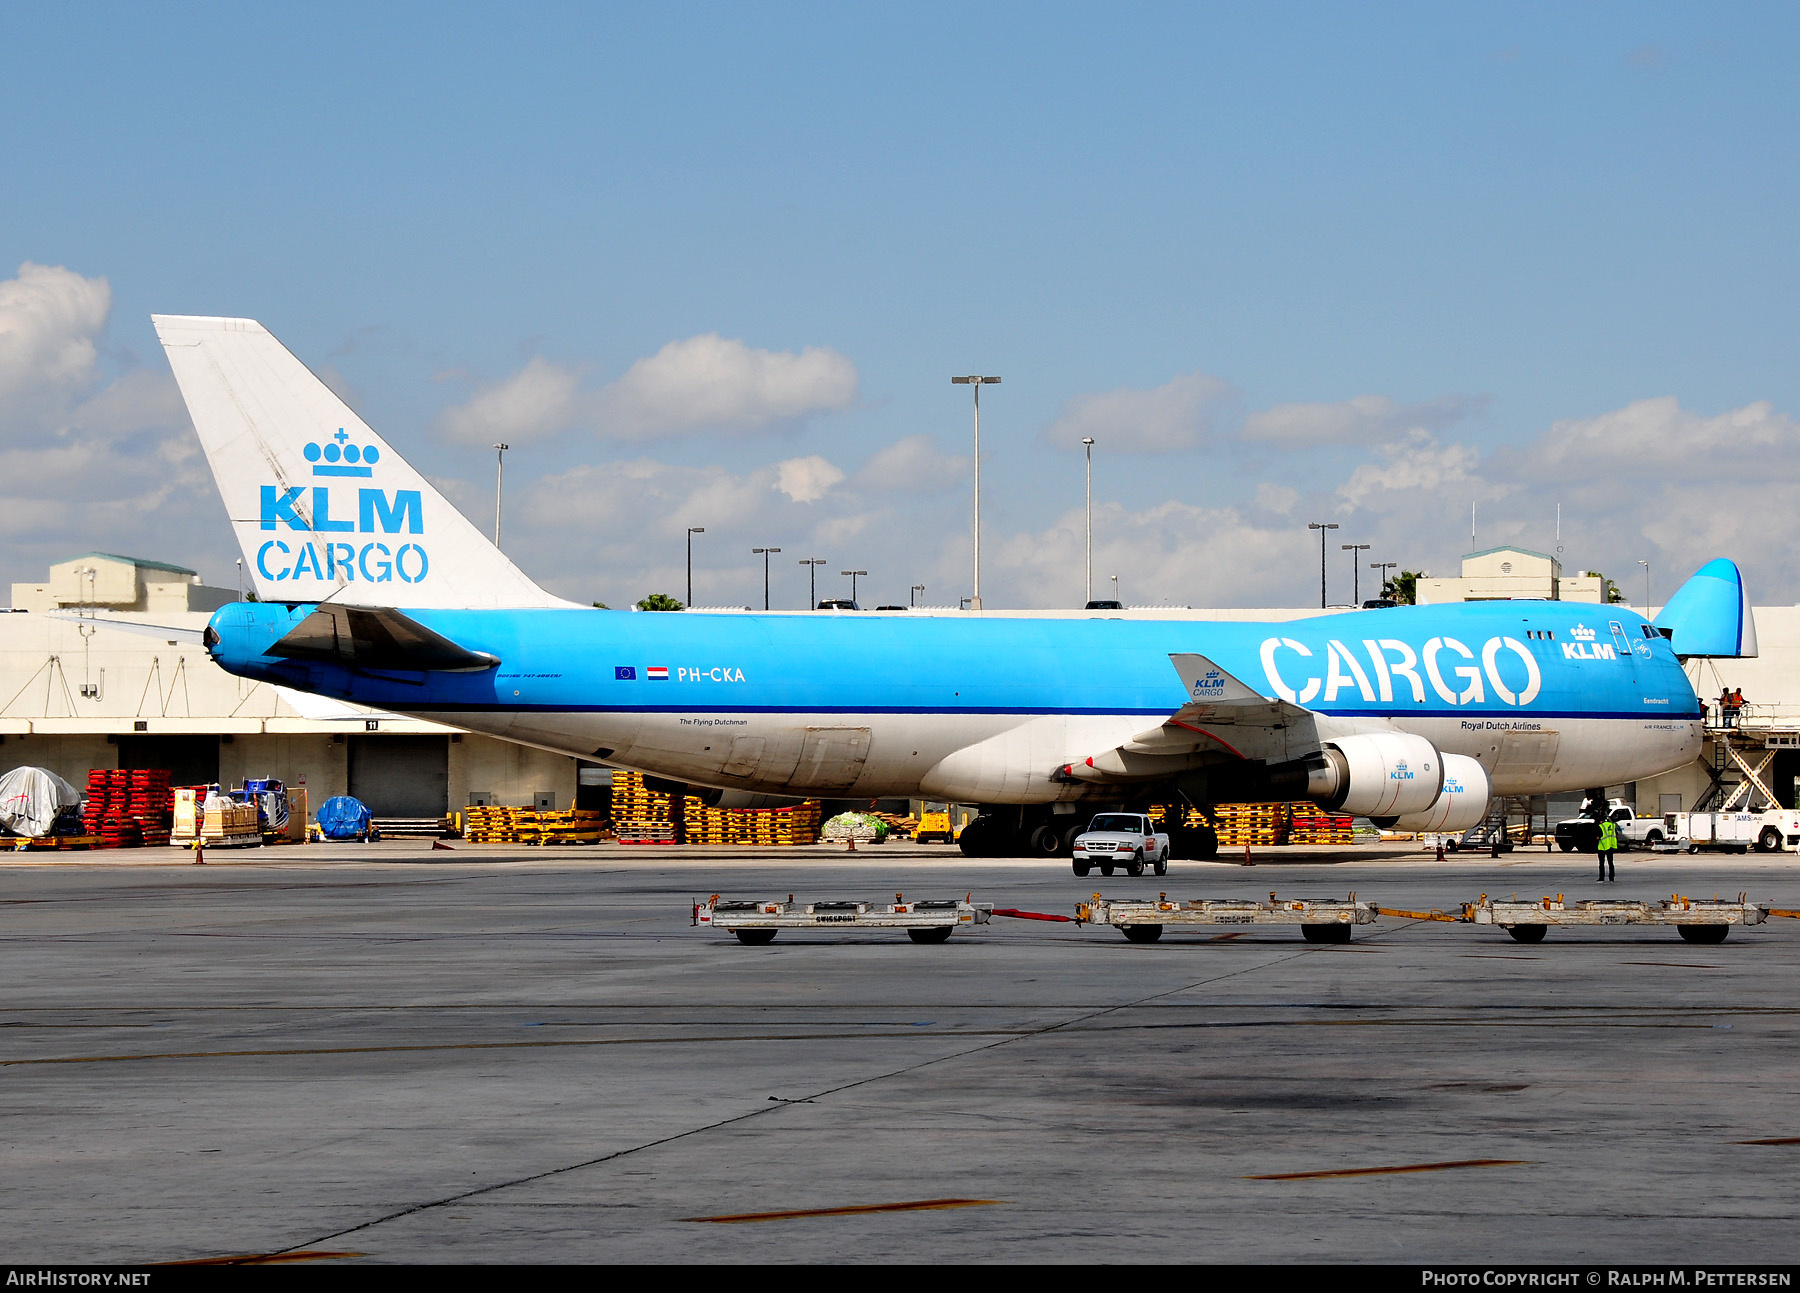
1380,774
1463,803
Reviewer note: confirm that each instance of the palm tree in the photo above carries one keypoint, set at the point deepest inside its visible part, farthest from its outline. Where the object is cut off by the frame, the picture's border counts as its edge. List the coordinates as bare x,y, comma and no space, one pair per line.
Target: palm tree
1403,588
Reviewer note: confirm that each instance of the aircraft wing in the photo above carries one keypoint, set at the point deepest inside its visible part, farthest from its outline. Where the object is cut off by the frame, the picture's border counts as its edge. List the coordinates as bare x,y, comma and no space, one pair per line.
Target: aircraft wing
1221,716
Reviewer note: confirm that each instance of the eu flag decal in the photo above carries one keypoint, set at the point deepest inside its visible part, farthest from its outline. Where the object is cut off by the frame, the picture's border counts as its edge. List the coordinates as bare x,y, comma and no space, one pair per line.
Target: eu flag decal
624,673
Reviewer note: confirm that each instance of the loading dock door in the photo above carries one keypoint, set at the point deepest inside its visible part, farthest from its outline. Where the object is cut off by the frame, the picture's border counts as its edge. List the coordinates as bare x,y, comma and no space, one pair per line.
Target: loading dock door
189,760
401,776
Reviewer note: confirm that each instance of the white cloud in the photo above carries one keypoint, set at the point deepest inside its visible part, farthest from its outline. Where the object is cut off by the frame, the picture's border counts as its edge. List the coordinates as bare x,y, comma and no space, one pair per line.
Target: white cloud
806,480
86,462
1179,414
712,383
914,464
49,318
703,383
1172,553
1417,461
1654,436
1361,420
1276,498
537,401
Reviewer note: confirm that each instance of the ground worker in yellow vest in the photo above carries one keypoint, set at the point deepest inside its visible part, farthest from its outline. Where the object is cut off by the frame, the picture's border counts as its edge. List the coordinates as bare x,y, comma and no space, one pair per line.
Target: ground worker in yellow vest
1607,846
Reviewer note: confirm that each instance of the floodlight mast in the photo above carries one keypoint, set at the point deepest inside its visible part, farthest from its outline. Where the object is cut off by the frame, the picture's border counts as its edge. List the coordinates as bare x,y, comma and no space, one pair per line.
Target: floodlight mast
1355,570
765,556
692,531
499,480
1321,527
1087,443
812,565
976,383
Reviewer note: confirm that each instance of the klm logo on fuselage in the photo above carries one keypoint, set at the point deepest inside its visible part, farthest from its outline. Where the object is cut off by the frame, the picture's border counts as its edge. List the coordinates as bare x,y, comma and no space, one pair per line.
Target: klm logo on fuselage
1585,648
377,511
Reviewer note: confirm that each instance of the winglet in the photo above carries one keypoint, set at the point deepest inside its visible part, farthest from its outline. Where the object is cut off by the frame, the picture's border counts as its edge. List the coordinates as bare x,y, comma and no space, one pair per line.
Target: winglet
1207,684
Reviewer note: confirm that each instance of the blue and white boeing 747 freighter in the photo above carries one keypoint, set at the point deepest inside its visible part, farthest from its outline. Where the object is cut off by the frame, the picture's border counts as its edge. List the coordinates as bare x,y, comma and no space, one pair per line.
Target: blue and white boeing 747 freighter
376,590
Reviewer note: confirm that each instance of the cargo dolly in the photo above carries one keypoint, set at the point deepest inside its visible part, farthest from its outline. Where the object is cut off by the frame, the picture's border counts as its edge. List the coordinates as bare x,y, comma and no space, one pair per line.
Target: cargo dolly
760,921
1141,920
1697,920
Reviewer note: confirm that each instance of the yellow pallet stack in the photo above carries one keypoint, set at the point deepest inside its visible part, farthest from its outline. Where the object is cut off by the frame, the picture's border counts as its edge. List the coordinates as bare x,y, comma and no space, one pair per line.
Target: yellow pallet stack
1262,825
1258,825
1310,824
497,824
644,816
798,825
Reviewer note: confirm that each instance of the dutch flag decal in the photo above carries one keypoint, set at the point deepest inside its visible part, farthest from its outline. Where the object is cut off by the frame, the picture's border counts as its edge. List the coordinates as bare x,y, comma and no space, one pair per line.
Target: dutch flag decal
657,673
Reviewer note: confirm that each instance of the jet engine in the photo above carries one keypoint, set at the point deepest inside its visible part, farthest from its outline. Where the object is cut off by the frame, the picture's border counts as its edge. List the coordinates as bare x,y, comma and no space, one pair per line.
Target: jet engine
1463,803
1379,774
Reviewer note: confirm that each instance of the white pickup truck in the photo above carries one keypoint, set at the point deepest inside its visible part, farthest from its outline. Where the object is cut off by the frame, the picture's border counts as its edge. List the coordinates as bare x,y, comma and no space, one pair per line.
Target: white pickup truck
1128,840
1584,832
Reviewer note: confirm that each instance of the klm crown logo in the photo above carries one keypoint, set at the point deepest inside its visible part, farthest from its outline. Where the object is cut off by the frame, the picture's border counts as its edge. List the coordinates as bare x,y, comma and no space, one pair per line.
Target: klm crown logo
1582,633
340,457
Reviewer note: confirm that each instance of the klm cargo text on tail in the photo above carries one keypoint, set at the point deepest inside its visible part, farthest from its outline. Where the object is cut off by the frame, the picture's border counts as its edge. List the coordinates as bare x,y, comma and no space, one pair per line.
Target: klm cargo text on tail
375,512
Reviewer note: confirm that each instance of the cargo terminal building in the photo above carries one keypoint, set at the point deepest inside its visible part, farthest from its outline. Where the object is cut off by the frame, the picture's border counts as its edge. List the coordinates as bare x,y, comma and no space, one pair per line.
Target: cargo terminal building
78,696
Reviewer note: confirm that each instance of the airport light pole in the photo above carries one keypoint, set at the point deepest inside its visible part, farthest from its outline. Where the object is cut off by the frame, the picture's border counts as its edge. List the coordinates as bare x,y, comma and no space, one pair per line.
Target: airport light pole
910,599
1087,442
976,383
1384,567
1115,580
1321,527
812,565
853,574
1646,566
765,556
1355,586
692,531
499,479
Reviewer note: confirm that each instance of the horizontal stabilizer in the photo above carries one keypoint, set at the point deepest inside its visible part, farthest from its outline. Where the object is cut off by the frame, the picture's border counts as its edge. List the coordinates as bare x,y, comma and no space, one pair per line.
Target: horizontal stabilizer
167,632
363,637
1710,614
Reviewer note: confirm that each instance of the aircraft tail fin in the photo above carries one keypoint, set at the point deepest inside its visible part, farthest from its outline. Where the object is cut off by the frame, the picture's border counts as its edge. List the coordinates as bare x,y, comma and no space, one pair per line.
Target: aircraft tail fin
321,505
1710,614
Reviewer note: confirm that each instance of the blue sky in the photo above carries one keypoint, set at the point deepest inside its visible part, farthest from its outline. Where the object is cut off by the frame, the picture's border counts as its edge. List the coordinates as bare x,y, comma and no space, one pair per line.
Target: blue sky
1360,264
